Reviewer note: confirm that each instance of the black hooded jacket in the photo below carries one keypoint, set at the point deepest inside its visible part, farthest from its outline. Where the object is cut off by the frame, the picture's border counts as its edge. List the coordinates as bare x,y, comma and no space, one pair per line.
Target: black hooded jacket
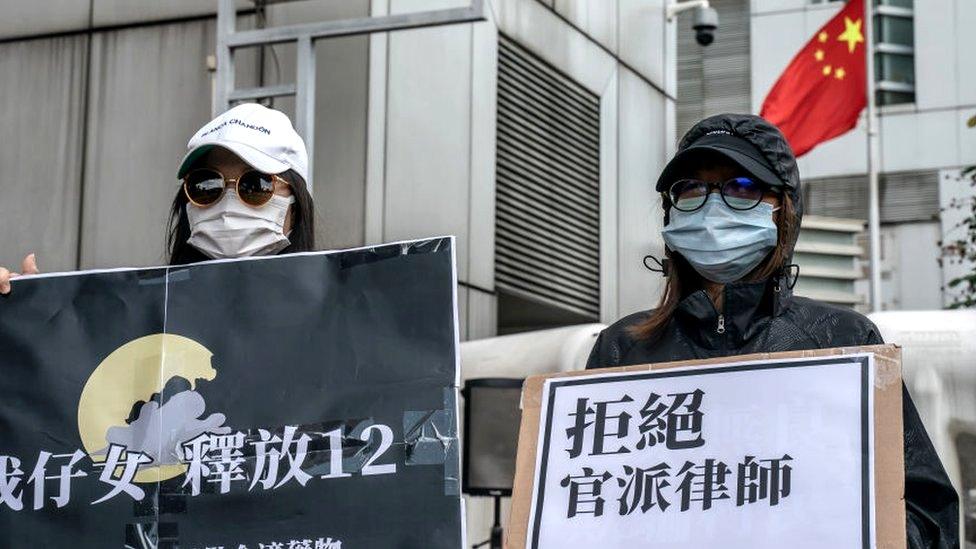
767,317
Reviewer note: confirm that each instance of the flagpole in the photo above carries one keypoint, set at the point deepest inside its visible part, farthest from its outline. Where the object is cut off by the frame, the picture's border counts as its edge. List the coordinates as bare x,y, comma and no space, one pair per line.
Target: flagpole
874,207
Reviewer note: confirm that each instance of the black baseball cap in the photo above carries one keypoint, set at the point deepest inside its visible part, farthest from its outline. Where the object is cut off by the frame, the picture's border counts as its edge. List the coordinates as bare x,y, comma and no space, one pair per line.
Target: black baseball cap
737,149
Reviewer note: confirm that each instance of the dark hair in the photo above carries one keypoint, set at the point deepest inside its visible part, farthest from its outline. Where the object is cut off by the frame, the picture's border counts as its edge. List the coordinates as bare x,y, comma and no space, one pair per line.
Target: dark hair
302,235
682,279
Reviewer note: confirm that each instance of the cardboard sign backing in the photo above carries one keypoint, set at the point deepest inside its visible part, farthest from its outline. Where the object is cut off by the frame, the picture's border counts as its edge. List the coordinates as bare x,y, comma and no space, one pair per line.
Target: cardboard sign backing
887,429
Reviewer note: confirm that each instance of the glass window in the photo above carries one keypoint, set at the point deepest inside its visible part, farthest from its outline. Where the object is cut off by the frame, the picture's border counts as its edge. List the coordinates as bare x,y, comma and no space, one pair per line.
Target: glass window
896,3
894,98
894,67
894,59
894,30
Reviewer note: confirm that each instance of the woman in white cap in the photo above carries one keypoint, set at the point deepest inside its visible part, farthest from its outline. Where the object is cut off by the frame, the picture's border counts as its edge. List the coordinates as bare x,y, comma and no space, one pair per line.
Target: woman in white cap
242,192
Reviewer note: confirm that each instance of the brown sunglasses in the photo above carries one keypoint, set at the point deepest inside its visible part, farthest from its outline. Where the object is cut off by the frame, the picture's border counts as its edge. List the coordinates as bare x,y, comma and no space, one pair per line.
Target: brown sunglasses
205,186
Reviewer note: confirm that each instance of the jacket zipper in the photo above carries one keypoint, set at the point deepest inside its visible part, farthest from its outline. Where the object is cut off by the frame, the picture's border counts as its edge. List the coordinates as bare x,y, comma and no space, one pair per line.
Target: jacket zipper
721,324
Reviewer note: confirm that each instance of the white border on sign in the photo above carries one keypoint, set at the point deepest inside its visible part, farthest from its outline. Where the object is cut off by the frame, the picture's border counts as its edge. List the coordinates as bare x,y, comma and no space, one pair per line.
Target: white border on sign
232,260
544,409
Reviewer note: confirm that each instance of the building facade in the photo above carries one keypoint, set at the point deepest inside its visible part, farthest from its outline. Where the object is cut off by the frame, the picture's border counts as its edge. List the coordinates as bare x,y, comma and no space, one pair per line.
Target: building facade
534,137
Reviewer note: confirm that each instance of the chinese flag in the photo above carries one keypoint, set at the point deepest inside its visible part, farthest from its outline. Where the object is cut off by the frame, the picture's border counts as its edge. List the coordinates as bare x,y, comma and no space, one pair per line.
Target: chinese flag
821,93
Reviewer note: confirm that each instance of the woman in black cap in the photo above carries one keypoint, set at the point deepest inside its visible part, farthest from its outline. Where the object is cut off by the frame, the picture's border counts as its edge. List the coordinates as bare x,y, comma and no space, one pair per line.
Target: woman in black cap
732,209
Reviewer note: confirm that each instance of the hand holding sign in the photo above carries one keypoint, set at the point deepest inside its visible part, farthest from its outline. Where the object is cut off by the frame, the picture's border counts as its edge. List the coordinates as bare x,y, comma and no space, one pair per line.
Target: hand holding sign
27,267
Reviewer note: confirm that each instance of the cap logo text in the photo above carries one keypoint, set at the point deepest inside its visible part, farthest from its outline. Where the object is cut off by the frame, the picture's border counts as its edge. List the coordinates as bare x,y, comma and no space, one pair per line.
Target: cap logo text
238,122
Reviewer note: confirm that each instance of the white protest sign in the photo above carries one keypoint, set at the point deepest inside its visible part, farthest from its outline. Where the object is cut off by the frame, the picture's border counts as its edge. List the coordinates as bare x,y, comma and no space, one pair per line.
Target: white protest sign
763,454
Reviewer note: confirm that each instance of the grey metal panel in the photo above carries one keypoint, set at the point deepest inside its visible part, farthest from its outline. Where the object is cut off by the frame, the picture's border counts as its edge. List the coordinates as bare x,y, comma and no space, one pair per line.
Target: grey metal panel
643,31
716,78
597,19
122,12
20,18
462,312
340,141
642,145
41,113
427,173
548,177
845,197
910,196
342,66
905,196
482,312
827,253
361,25
482,315
150,92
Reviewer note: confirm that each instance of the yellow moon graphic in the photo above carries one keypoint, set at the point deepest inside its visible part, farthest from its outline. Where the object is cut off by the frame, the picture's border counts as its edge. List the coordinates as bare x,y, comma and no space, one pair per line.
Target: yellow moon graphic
134,372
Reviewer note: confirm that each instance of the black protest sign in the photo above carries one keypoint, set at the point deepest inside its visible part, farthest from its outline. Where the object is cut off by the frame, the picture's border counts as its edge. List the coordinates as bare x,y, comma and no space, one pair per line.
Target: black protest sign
303,401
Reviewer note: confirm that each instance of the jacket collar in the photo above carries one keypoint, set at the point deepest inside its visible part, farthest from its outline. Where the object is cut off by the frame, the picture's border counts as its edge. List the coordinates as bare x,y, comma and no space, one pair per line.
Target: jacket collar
747,308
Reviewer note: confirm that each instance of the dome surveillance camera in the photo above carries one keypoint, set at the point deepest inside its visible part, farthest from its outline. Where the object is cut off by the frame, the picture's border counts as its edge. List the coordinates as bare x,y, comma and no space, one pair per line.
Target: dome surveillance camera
704,24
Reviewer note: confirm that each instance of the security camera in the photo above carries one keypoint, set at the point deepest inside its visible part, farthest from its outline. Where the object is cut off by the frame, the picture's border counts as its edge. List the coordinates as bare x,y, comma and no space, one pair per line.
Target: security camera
704,24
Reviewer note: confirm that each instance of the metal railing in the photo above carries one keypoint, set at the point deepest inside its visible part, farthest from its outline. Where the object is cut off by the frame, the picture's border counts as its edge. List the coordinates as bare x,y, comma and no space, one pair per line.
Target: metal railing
304,36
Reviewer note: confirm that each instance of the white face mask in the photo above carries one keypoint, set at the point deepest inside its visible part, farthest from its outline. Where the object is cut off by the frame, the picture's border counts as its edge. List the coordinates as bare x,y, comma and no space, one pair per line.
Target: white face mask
722,244
231,228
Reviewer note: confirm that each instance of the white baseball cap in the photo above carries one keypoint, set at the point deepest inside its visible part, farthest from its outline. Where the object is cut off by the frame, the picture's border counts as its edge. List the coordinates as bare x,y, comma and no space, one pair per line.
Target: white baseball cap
262,137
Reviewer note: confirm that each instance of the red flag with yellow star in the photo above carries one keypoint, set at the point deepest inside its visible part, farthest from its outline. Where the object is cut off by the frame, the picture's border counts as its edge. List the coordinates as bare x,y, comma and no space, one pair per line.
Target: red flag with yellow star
821,93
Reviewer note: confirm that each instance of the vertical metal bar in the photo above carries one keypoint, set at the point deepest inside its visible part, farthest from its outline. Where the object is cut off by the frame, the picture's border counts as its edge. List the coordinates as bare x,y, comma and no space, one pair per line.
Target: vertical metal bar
85,121
874,206
224,85
305,100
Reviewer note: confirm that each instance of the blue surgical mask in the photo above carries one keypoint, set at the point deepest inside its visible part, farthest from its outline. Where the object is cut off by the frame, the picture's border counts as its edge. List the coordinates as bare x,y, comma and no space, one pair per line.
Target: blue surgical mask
722,244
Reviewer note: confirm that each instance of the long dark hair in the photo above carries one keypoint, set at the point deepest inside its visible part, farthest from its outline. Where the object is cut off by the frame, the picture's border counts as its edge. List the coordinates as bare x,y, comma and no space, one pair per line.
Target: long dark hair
682,279
302,235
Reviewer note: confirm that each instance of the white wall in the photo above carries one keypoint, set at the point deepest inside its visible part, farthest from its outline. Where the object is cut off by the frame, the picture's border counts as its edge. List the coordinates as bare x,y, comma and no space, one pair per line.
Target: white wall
913,278
643,151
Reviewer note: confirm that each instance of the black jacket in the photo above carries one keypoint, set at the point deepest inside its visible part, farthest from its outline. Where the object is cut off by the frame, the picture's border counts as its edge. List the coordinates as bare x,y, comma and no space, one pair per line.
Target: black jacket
766,317
931,502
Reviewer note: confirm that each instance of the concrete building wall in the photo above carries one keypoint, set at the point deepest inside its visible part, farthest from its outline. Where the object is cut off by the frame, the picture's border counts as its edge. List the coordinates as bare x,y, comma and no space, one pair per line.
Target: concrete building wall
911,279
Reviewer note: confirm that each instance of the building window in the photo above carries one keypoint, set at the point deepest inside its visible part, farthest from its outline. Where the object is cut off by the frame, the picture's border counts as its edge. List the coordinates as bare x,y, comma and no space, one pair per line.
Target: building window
894,55
547,218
